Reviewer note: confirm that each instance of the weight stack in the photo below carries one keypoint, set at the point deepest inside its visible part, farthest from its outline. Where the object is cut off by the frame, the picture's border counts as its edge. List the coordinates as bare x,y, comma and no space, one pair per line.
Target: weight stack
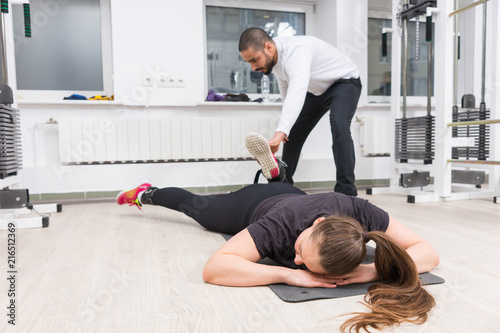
415,139
10,142
481,134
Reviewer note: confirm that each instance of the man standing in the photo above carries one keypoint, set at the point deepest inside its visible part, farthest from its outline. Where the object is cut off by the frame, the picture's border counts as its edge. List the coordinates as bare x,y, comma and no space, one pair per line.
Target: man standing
313,77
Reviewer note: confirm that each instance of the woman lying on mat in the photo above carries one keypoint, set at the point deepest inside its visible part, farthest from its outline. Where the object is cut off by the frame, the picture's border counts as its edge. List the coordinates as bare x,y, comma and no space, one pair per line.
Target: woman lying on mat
318,238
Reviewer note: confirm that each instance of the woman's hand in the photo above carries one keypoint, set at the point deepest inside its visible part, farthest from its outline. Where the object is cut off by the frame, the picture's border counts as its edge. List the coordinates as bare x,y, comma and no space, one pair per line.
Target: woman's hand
307,279
361,274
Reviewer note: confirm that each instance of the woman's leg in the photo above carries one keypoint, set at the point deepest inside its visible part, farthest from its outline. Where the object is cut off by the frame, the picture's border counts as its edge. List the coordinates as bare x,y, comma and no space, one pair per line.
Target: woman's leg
226,213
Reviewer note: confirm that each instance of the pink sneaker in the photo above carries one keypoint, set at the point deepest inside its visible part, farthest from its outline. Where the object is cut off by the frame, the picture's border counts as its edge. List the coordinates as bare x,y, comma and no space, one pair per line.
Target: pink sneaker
130,196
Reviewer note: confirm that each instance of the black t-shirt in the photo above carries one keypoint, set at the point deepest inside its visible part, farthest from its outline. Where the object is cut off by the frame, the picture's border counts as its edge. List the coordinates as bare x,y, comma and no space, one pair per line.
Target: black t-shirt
278,221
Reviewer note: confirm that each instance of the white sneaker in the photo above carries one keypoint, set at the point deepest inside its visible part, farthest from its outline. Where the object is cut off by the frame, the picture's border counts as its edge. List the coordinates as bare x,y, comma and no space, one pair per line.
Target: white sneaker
258,146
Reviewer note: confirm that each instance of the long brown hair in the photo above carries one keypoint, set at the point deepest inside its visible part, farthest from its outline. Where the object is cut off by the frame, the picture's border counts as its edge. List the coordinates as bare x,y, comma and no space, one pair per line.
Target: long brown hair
397,297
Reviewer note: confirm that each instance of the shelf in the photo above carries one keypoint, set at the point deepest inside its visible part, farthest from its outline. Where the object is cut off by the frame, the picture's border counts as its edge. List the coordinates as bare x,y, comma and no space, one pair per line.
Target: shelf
66,102
246,104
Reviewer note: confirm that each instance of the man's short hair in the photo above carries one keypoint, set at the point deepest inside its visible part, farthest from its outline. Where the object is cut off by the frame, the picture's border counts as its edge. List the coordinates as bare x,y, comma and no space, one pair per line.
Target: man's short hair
255,38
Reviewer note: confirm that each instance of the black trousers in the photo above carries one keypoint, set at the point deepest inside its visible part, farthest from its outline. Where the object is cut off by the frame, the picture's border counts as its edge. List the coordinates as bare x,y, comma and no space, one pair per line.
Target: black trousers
342,100
225,213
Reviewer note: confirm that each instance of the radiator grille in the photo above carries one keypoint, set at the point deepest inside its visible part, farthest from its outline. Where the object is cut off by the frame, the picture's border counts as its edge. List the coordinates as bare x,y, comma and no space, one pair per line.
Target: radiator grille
374,136
151,140
10,142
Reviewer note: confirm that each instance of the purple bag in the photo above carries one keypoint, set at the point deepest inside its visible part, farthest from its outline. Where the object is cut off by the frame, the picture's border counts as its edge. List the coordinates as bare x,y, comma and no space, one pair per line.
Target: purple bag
213,97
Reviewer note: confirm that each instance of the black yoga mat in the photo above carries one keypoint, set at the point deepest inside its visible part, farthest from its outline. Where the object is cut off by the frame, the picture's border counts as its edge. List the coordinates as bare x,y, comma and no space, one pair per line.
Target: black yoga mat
300,294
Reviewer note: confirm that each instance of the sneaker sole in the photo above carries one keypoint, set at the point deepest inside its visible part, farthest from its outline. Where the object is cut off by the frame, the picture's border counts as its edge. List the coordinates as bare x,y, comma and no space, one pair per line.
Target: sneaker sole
258,146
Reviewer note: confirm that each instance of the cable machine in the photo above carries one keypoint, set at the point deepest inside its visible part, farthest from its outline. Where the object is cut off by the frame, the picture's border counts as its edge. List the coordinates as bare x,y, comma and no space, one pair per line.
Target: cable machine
14,202
453,135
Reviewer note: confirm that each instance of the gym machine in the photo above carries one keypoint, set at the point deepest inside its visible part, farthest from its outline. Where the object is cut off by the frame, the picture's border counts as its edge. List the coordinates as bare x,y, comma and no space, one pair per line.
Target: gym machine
471,122
463,133
14,203
414,136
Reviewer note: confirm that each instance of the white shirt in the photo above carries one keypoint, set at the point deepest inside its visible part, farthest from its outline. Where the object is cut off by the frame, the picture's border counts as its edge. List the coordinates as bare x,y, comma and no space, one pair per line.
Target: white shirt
306,64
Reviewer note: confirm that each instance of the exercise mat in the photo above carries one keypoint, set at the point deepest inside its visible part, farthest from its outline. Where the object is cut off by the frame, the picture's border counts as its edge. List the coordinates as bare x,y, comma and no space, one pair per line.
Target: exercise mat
300,294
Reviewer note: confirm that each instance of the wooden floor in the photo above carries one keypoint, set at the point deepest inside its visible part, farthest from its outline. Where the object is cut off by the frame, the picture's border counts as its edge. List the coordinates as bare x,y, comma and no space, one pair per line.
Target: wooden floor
106,268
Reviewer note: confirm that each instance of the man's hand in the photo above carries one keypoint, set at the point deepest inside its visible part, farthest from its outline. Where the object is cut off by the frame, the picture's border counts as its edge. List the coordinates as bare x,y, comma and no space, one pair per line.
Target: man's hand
275,142
361,274
307,279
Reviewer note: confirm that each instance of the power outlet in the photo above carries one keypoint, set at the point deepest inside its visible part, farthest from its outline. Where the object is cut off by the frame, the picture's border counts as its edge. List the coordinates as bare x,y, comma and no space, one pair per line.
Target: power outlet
180,82
165,81
162,81
147,81
171,82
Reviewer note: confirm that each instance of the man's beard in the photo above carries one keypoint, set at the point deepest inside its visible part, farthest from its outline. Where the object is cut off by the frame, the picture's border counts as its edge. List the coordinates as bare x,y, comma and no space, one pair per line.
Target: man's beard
268,68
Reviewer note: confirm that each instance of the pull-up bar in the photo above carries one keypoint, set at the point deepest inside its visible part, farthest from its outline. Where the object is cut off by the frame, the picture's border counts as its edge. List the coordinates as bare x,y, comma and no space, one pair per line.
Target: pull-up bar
463,9
476,122
474,162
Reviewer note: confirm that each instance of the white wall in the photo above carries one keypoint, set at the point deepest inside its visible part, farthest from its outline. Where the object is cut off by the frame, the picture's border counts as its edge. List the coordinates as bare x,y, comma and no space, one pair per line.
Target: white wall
168,37
156,37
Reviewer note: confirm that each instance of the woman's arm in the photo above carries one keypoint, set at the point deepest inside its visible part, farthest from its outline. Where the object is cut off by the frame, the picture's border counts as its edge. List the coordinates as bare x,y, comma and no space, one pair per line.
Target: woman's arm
422,253
234,264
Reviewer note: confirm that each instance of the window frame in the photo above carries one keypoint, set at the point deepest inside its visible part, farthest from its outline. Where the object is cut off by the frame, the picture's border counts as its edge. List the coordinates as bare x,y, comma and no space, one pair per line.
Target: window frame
26,95
411,100
299,7
379,15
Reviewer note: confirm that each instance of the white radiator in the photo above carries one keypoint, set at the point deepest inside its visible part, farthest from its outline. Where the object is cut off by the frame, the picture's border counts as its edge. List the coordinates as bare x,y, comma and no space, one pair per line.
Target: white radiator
133,140
375,135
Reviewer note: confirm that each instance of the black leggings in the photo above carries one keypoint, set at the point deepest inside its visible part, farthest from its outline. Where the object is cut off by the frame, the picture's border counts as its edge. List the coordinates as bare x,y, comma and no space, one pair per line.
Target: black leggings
225,213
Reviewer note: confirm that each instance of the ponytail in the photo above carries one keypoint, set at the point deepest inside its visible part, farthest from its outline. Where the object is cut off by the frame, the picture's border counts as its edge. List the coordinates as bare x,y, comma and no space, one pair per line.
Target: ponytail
399,295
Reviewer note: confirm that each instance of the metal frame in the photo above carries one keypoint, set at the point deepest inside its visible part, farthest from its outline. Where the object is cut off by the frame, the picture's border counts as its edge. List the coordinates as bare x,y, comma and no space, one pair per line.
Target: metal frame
463,9
445,48
28,218
23,217
477,122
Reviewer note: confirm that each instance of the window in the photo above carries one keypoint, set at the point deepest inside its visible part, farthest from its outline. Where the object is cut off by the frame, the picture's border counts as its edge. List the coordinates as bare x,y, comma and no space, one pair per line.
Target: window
69,51
379,67
226,71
